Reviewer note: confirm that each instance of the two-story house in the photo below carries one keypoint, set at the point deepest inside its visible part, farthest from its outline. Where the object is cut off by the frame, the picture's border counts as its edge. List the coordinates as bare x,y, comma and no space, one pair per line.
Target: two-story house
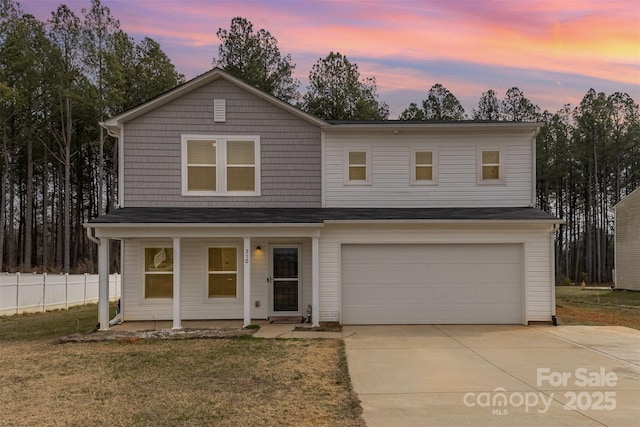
236,205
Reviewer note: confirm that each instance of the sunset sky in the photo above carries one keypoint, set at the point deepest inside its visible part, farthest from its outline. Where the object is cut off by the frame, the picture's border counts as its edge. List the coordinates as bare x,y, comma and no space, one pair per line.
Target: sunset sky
553,50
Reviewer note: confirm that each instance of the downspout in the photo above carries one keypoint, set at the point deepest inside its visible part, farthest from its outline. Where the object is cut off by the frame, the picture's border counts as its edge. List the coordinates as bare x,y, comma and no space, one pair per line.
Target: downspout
554,229
117,132
615,248
118,318
91,237
533,166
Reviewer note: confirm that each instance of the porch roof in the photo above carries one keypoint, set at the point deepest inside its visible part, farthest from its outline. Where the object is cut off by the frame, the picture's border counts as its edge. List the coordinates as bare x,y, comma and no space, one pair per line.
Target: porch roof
136,215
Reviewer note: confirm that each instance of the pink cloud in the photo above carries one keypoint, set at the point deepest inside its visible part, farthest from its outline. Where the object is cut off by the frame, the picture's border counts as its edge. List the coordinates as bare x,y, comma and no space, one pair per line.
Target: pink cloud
396,41
594,38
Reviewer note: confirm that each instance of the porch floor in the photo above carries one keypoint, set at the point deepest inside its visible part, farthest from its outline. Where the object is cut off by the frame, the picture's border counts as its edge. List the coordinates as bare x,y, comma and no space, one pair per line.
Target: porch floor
267,330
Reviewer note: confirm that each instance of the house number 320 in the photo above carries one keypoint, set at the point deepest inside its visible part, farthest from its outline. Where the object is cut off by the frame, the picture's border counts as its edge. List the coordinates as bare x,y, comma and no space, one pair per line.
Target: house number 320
246,256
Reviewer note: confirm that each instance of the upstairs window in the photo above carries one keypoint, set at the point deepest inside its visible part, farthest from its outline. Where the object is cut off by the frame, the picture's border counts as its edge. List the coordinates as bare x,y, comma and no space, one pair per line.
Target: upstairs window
490,168
201,165
357,167
220,165
241,166
424,167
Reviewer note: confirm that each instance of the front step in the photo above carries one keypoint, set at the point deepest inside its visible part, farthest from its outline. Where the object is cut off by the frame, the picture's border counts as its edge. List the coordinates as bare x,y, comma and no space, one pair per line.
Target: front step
286,319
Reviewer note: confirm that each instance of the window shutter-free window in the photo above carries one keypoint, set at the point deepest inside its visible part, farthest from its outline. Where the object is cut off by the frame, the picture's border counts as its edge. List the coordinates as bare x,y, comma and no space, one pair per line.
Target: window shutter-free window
241,166
158,272
491,165
220,165
424,166
357,166
201,165
223,272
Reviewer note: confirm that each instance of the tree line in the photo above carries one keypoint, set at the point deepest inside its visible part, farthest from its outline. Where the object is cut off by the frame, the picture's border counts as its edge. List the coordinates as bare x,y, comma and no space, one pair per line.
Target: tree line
59,78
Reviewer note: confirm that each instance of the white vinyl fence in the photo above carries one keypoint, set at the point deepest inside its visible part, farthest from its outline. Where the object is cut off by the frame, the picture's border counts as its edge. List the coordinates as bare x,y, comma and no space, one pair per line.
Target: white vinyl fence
27,292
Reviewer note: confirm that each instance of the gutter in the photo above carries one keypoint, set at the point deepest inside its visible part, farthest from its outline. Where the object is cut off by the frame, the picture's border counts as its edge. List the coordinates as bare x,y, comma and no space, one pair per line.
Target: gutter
111,129
445,221
400,126
200,224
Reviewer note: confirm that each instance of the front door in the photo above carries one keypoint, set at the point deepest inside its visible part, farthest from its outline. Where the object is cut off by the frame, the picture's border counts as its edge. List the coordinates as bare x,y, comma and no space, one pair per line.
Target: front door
285,280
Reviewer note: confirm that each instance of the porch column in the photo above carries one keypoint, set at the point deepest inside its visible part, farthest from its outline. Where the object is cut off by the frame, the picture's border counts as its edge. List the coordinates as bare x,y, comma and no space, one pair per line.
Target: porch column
103,283
247,281
315,281
177,324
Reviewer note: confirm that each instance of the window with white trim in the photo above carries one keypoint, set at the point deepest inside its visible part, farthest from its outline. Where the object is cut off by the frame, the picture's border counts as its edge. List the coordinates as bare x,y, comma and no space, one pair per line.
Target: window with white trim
424,167
158,272
223,272
201,165
490,166
357,167
241,166
220,165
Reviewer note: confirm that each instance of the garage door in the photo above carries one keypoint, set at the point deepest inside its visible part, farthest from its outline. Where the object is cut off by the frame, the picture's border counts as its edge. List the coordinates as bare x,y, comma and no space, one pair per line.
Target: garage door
432,284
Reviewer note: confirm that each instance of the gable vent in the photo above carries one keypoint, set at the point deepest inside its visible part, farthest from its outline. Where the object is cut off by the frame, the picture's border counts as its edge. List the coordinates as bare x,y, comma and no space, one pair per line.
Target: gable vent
219,110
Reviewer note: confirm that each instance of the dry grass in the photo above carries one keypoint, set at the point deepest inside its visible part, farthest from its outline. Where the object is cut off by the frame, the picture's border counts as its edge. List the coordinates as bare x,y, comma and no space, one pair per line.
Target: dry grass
584,306
223,382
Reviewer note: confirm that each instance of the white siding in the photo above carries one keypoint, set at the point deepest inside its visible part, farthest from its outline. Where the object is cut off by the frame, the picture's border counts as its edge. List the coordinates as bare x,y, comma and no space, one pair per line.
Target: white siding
259,274
134,307
195,303
457,183
535,240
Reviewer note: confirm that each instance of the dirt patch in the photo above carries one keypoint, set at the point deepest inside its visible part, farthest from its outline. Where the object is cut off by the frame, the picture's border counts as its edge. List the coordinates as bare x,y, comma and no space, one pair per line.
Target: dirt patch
324,327
580,315
597,306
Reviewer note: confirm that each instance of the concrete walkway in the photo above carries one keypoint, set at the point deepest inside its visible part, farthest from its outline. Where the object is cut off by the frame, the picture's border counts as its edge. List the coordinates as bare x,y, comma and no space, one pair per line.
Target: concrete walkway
275,330
456,375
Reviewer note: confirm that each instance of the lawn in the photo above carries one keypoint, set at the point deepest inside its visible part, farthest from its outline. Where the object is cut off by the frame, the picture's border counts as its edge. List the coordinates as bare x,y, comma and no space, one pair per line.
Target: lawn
584,306
223,382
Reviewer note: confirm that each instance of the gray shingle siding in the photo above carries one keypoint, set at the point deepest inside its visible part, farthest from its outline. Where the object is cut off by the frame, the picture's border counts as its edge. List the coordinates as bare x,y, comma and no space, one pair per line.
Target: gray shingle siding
290,151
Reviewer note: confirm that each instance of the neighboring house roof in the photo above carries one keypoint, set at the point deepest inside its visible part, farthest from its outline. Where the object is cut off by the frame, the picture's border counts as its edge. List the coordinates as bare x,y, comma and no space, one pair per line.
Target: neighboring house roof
318,215
115,123
628,198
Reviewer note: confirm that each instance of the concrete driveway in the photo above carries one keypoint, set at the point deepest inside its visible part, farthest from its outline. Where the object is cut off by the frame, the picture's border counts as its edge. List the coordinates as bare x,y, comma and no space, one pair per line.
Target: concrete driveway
456,375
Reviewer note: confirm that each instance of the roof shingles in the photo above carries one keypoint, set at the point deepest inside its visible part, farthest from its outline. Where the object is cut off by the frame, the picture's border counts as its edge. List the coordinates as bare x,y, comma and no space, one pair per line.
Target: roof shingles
315,215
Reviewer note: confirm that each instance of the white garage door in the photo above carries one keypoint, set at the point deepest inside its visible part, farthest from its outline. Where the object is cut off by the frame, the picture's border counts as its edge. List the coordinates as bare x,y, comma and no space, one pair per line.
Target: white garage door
432,284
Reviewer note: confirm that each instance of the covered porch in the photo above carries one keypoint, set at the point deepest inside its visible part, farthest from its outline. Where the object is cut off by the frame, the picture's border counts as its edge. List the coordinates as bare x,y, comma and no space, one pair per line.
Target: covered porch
211,271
